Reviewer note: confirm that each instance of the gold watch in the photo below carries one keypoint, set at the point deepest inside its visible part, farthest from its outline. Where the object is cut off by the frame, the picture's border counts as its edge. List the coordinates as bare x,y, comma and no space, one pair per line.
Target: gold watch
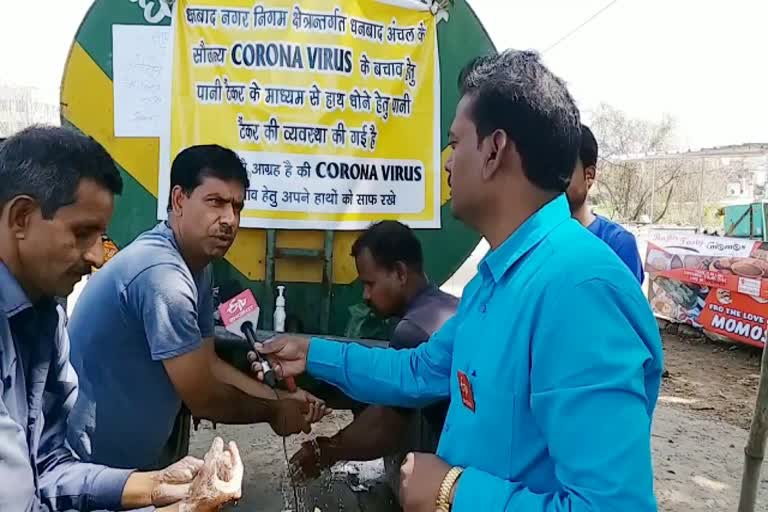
444,495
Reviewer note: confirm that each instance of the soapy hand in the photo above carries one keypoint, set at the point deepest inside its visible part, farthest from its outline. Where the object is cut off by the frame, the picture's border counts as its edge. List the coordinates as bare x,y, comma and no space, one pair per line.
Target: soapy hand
219,482
172,484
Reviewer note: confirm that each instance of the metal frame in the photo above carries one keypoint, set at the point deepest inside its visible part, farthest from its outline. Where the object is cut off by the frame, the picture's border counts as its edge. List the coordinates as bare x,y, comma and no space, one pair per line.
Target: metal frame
324,255
750,212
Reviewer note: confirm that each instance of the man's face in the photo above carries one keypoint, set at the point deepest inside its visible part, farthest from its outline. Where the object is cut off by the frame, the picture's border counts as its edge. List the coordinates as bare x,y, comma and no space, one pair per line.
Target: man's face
210,216
466,162
581,182
383,289
55,254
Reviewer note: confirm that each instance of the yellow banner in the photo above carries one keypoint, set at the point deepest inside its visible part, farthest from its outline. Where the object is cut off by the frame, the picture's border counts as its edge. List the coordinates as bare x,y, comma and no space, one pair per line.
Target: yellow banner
333,106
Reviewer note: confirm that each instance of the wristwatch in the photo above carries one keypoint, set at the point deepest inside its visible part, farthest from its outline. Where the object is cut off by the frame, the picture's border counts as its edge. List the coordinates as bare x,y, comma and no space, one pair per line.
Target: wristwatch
444,495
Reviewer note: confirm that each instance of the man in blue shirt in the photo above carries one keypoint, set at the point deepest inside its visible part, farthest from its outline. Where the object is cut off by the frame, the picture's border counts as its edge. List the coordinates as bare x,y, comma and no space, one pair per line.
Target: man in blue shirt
147,318
553,360
57,192
619,239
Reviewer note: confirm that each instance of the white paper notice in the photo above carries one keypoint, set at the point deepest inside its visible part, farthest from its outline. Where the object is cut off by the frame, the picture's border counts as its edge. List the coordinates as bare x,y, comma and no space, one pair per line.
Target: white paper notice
749,286
139,59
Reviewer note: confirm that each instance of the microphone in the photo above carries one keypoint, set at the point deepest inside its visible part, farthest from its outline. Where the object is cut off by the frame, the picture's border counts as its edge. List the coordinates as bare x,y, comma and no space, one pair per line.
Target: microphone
240,316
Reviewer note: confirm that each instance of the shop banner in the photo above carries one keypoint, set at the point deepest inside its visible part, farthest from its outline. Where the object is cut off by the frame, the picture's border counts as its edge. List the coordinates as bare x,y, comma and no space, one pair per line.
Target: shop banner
716,283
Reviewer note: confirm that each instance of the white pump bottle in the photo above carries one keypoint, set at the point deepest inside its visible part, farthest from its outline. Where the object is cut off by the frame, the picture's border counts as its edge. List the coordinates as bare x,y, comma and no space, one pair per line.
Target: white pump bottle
279,316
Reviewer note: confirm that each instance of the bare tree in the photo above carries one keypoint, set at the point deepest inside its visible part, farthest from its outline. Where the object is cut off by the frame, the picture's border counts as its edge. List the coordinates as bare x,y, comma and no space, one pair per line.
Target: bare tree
20,107
621,135
638,175
627,187
632,189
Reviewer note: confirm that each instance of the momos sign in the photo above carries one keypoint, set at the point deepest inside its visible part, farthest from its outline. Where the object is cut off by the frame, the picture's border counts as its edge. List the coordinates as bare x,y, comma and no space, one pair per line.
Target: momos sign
717,283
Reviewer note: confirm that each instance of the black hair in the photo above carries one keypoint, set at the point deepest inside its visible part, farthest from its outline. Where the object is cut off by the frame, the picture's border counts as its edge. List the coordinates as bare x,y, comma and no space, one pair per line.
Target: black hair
513,91
48,163
589,150
391,242
195,163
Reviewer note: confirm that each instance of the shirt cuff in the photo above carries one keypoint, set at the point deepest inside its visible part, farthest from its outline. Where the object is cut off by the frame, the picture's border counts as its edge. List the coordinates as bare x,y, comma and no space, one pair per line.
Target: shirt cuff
477,490
107,489
325,358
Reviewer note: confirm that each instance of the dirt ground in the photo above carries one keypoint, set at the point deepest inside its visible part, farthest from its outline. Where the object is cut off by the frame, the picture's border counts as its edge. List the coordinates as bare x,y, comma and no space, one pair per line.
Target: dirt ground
700,430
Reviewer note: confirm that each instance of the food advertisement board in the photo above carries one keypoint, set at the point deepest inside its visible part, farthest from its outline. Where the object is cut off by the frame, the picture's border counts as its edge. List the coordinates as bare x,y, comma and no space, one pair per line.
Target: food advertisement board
718,284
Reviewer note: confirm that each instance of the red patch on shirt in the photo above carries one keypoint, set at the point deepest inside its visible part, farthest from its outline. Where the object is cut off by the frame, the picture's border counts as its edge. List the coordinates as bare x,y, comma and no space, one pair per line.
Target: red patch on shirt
466,391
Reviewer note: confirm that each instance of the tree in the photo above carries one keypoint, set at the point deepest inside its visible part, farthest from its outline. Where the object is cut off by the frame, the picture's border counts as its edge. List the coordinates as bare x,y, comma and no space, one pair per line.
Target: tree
638,176
628,187
20,107
620,135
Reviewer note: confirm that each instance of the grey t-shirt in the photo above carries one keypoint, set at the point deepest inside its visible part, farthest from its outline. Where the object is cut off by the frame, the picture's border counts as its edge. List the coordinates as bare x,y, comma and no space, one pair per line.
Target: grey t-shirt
143,307
425,315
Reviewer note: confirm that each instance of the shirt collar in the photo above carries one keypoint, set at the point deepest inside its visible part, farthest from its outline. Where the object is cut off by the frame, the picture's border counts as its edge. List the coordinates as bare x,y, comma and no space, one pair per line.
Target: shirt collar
528,235
416,298
164,229
13,300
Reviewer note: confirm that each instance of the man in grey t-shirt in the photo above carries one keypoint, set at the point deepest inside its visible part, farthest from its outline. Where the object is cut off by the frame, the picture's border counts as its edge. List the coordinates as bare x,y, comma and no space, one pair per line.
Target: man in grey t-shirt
142,331
390,266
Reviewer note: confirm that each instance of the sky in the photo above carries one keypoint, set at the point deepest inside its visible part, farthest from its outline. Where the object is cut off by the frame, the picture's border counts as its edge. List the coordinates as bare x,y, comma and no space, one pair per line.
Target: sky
701,61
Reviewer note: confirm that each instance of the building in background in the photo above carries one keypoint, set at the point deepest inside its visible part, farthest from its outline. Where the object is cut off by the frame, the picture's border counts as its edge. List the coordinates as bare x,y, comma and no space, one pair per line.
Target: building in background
682,188
21,107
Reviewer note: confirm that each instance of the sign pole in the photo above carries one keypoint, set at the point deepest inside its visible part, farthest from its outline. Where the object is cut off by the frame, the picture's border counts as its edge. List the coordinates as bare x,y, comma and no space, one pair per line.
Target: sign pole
754,452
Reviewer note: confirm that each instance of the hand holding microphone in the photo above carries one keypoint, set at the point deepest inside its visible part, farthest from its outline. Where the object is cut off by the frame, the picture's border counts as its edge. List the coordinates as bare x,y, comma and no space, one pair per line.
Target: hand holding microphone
240,316
269,377
288,354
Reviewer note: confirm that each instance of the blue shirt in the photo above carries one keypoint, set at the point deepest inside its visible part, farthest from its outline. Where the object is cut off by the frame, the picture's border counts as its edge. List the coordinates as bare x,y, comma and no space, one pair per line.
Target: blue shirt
564,359
621,241
142,308
37,386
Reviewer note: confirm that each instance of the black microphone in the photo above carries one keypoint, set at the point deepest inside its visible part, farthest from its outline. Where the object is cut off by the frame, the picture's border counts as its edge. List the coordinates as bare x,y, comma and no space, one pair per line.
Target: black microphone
270,379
